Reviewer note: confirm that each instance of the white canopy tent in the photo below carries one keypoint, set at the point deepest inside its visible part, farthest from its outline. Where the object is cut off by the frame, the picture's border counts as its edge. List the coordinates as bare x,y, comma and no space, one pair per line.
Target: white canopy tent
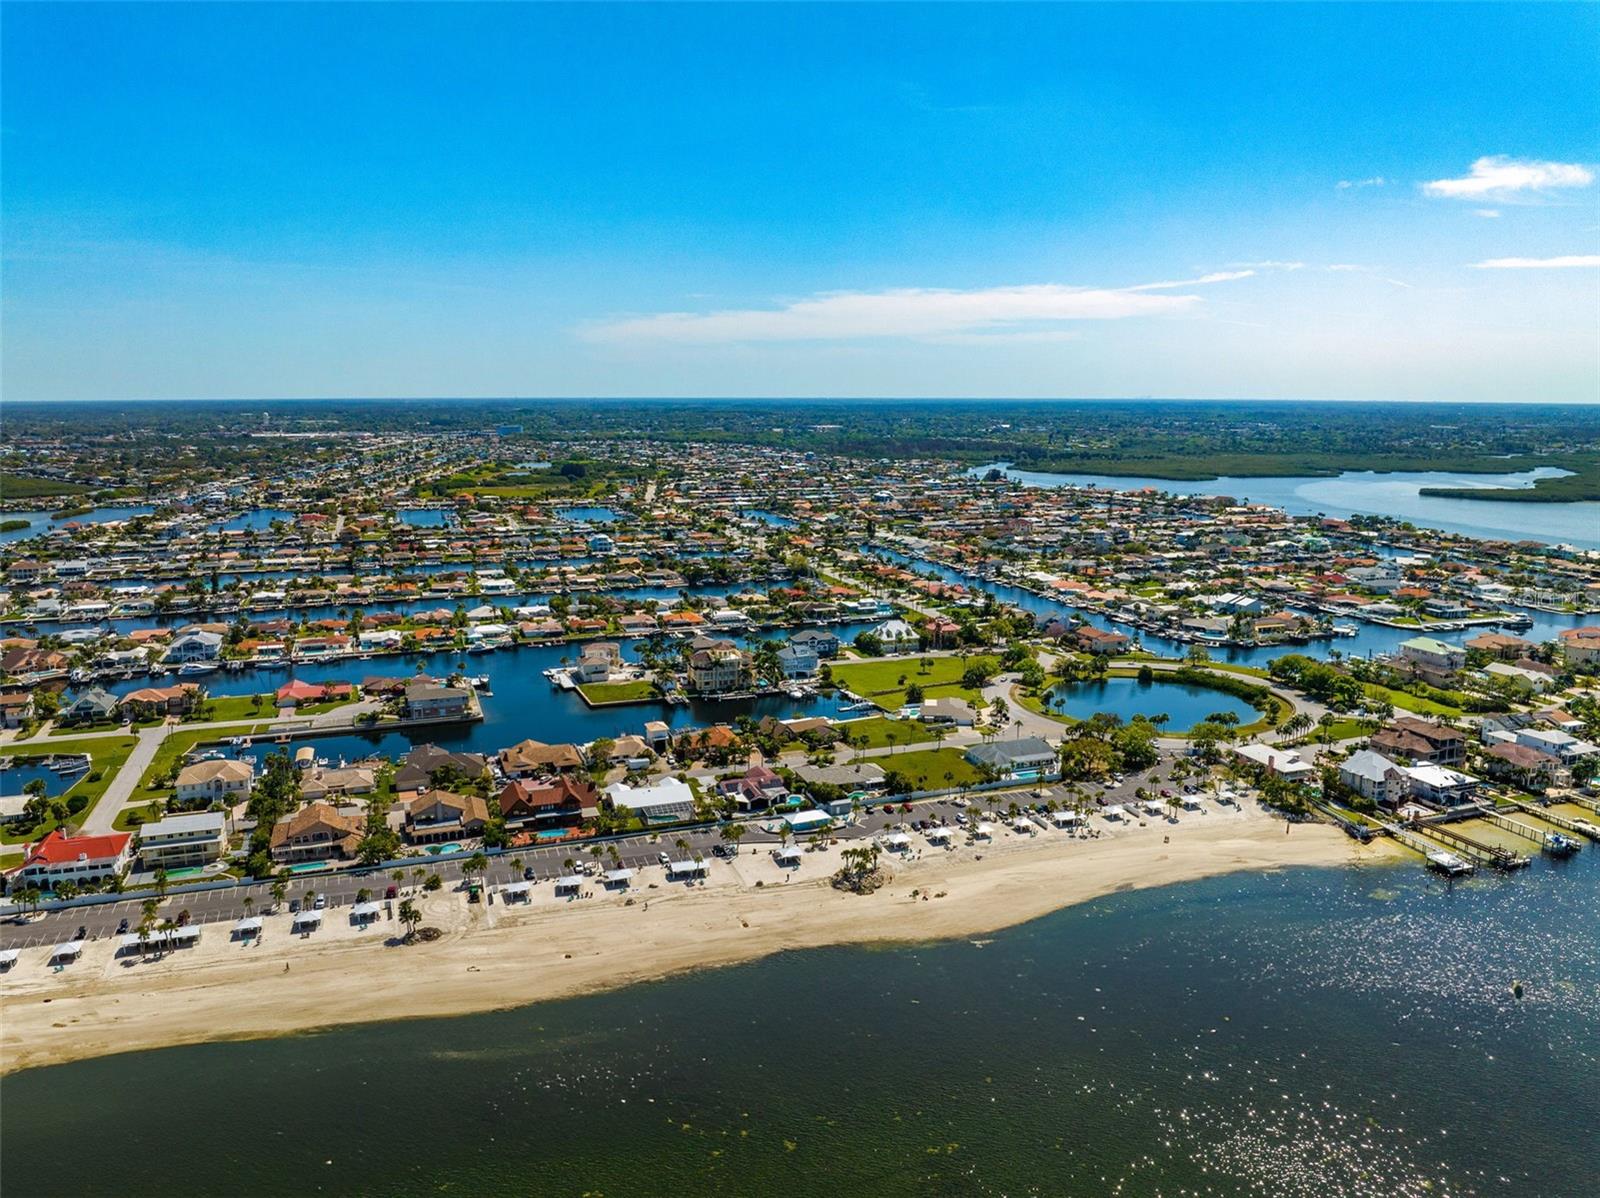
245,928
939,835
897,841
787,855
983,831
516,890
308,921
685,869
1066,819
1115,811
362,912
1154,807
63,953
619,877
8,957
568,882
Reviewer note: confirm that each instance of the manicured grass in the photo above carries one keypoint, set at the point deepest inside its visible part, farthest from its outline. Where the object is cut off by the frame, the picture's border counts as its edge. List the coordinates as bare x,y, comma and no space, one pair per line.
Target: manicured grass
925,769
236,707
618,692
1408,702
879,679
876,730
106,756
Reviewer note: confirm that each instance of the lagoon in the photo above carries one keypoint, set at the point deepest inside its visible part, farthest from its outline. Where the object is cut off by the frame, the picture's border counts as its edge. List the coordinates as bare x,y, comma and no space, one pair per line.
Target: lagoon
1184,705
1365,493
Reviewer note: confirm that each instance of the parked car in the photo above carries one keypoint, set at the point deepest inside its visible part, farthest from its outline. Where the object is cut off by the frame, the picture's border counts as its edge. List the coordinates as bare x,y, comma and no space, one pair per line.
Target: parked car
663,858
391,892
321,902
123,926
528,874
294,906
83,933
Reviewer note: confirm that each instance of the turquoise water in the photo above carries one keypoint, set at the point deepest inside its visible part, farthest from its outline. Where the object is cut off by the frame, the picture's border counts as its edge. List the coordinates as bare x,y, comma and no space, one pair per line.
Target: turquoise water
1306,1033
436,850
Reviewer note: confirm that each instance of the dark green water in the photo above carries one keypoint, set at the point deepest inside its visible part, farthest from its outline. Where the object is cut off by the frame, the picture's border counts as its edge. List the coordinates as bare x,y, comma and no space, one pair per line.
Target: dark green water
1314,1032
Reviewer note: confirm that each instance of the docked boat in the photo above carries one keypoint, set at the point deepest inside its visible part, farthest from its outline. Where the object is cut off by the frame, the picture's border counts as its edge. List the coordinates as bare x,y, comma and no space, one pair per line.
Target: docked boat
1345,630
1558,845
198,667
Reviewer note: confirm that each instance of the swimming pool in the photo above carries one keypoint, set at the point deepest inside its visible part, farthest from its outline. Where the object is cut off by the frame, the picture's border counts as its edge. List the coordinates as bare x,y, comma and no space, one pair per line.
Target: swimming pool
435,850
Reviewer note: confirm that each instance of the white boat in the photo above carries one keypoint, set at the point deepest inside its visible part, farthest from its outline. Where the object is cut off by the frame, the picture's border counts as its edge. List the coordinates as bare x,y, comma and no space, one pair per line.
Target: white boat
198,667
1345,630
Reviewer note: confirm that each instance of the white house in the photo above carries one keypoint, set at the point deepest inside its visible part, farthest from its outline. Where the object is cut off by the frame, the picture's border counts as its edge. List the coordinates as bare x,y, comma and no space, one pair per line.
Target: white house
213,780
661,802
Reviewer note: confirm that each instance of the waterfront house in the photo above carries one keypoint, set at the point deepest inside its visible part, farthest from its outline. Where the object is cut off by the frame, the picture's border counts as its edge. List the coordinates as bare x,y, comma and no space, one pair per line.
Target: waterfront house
865,776
1286,763
151,701
1441,785
16,708
436,815
718,669
77,859
1420,741
317,832
1431,660
418,768
194,646
1375,777
598,661
664,801
96,703
1524,767
797,663
822,644
897,635
562,802
426,702
758,789
211,781
196,838
320,783
950,713
1090,639
531,758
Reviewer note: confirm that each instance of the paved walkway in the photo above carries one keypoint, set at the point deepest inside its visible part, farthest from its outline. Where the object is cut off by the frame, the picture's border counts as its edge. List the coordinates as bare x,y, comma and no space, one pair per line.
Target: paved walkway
104,813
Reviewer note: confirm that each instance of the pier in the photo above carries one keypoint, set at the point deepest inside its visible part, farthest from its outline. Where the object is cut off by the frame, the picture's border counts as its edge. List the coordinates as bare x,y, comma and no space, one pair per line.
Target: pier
1551,842
1576,827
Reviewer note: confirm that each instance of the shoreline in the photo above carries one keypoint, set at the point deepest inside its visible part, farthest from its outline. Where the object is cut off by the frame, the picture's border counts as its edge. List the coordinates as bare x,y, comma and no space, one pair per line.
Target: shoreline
494,957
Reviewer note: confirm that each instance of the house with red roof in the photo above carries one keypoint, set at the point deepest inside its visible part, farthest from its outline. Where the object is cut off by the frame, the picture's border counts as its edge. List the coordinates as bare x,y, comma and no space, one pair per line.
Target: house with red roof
61,858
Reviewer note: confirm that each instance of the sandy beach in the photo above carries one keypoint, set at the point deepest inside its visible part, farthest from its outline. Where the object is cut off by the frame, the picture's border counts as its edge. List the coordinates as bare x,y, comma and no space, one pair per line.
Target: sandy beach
503,955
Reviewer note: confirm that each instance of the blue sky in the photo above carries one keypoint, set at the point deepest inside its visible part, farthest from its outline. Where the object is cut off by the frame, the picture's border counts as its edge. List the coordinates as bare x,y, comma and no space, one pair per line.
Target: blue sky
1318,201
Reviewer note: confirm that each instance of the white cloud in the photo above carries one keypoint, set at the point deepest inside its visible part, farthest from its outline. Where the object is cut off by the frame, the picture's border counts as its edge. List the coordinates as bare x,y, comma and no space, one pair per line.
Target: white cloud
1500,177
1345,266
911,312
1486,213
1565,262
1347,184
1269,264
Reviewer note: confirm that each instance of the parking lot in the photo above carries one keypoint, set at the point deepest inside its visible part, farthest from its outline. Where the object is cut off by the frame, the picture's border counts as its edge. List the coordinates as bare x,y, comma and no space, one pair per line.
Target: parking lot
339,888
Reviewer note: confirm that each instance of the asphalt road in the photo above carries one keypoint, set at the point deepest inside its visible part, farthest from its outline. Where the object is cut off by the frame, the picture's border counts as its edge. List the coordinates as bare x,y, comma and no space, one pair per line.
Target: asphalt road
340,887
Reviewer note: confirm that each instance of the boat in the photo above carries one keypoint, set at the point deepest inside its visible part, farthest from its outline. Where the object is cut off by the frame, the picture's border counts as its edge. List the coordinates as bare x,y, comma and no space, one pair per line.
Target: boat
197,667
1448,863
1558,845
1345,630
479,682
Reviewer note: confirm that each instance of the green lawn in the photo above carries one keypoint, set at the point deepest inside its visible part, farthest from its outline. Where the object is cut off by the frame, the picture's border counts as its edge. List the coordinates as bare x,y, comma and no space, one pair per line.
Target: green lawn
925,769
884,681
1408,702
618,692
106,756
239,707
876,730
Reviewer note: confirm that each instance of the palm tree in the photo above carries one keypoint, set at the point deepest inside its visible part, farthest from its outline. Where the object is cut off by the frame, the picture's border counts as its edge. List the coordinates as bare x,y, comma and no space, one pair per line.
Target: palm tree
733,833
280,888
410,917
161,881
